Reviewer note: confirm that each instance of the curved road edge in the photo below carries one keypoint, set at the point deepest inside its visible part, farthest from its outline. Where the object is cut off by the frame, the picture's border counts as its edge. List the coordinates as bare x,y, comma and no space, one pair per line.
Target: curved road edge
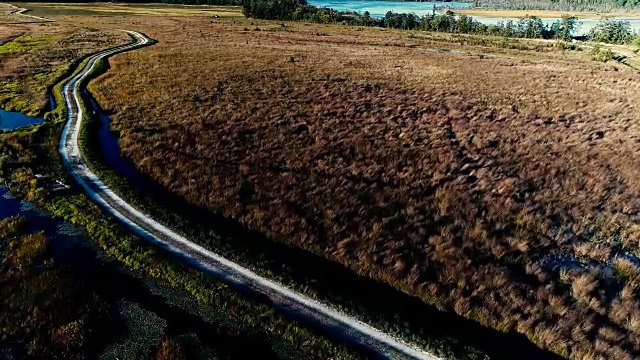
23,12
230,272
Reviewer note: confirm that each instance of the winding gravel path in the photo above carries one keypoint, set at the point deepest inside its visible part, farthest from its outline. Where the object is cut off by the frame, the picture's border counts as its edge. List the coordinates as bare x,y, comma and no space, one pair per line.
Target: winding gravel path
283,298
23,12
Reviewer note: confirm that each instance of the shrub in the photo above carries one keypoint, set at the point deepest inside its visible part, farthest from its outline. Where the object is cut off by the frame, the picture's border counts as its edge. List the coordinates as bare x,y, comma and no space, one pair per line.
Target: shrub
612,31
600,54
626,270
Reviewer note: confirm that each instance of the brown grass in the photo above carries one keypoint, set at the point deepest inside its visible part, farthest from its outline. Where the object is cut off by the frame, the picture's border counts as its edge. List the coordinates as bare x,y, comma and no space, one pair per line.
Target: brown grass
8,16
25,76
450,176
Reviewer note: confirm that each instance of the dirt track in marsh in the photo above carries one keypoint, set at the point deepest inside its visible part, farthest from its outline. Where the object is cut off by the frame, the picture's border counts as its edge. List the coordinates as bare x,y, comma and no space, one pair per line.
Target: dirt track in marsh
453,177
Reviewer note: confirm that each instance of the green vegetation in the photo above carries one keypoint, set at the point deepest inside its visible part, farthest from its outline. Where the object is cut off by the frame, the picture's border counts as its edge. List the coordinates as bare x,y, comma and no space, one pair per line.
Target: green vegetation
24,43
15,97
12,97
600,54
7,89
613,32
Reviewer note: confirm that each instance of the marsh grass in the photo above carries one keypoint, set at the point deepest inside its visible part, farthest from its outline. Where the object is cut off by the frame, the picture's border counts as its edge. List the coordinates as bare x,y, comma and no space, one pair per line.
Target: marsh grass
599,54
36,148
446,175
34,57
144,331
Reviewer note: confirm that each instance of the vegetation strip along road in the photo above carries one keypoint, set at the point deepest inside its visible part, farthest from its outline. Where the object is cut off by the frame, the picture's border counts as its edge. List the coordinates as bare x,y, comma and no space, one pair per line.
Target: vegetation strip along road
282,297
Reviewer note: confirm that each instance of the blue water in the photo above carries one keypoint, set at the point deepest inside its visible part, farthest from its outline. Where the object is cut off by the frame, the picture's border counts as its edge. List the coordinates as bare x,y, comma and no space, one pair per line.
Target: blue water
13,120
380,8
62,235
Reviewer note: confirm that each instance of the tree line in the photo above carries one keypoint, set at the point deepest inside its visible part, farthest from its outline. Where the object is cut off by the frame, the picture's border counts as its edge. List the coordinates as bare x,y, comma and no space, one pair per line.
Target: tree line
560,5
607,30
614,32
299,10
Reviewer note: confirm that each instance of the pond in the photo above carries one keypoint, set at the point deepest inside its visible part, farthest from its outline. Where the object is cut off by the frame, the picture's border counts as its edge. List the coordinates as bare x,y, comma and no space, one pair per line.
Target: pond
13,120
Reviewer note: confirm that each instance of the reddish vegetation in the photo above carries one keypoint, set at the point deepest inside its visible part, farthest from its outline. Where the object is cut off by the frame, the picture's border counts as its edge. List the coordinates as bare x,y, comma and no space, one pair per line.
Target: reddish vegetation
452,177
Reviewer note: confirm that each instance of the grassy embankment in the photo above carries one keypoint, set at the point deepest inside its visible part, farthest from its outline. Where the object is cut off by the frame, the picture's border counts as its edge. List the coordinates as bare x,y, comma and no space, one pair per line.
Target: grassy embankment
442,177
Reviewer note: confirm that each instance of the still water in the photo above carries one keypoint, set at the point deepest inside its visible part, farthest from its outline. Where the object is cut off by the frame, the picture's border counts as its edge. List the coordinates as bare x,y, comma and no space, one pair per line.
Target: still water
380,8
13,120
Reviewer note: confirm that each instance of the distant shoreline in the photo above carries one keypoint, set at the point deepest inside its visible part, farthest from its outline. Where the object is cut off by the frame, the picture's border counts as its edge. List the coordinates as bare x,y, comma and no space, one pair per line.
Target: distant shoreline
541,13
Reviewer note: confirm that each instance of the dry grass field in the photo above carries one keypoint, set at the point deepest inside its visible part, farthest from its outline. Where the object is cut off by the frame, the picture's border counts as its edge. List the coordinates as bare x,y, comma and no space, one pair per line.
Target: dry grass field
34,56
9,15
500,183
